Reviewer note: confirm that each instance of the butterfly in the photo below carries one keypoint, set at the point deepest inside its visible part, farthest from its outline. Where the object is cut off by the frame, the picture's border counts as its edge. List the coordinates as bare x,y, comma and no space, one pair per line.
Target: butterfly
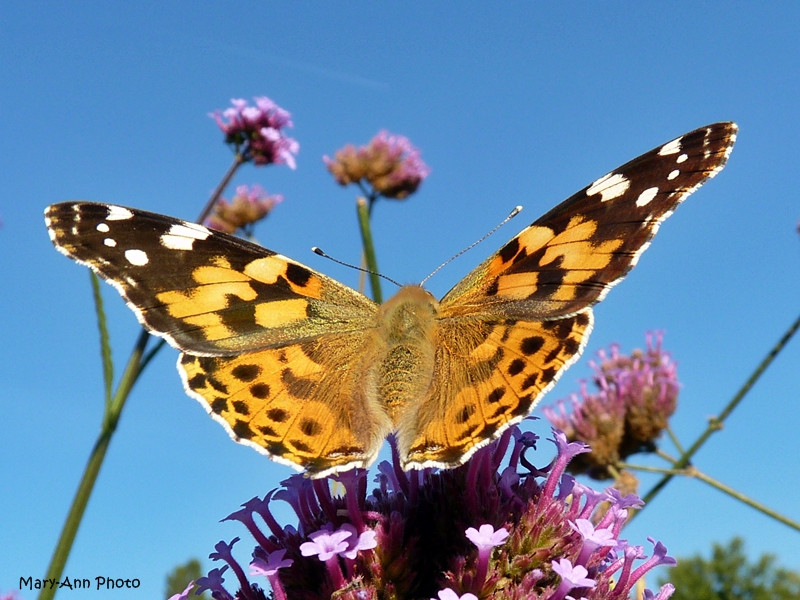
316,375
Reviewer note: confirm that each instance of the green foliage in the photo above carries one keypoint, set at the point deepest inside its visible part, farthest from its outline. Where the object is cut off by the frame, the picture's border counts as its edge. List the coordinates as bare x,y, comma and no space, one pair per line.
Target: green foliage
729,576
181,575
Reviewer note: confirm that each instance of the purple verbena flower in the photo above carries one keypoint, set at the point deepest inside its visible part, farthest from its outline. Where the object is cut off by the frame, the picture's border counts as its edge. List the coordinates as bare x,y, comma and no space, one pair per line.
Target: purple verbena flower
449,594
326,544
256,131
571,577
358,542
665,592
213,583
268,567
390,164
635,397
249,205
485,538
474,531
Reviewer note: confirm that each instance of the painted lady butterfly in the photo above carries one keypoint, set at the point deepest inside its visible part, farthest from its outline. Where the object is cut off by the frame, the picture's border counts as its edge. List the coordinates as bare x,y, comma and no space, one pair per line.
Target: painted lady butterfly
315,375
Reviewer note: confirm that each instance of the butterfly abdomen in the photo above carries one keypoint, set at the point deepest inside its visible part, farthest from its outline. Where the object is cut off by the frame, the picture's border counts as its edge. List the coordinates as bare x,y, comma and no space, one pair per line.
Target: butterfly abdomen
405,346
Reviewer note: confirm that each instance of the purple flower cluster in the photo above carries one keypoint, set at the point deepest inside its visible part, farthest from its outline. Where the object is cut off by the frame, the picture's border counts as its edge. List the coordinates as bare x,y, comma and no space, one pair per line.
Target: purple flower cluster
389,163
249,205
635,397
256,131
494,528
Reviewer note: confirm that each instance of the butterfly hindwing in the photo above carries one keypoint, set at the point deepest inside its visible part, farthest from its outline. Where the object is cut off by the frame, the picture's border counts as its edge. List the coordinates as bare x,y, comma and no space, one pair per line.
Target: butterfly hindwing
304,404
492,375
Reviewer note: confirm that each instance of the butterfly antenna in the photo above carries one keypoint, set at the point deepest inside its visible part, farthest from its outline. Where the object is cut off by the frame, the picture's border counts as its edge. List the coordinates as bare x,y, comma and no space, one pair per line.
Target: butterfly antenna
511,215
321,252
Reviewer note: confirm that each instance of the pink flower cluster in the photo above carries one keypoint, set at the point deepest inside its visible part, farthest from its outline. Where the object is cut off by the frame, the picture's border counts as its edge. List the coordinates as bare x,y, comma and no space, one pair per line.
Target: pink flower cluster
390,164
256,132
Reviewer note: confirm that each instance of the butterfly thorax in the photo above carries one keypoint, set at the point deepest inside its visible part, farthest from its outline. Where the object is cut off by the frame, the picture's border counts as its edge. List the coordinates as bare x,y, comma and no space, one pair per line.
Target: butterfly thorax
406,346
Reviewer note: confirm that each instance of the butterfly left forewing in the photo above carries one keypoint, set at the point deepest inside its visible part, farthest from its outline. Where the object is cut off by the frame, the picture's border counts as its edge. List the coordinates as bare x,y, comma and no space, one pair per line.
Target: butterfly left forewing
205,292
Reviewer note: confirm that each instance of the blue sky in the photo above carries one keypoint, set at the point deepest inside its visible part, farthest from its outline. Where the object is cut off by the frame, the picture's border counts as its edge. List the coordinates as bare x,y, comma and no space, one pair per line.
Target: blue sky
520,105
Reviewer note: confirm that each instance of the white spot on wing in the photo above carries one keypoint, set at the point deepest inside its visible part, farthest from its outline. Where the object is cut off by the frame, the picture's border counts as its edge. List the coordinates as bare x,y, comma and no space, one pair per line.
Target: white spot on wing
682,158
111,243
646,196
118,213
673,174
103,227
182,236
137,258
609,187
672,147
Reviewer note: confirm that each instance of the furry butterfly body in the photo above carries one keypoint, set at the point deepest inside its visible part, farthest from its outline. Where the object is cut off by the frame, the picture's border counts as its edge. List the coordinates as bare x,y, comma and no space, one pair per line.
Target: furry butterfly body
315,375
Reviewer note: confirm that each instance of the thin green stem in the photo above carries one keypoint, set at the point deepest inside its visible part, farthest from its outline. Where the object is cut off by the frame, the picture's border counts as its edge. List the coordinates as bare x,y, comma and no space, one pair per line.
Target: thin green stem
692,472
675,440
110,419
113,409
238,161
105,346
648,469
363,211
716,423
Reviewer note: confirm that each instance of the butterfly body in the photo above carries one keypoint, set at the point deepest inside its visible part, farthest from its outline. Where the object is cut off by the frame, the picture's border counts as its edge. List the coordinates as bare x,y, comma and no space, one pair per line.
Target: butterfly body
315,375
405,342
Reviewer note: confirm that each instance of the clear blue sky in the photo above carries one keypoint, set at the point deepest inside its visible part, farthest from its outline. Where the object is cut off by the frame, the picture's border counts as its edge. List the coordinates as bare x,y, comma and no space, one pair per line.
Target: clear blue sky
520,105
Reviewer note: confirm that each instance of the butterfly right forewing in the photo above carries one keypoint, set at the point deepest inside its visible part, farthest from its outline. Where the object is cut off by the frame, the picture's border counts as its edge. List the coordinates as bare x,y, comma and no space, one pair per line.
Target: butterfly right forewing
569,258
205,292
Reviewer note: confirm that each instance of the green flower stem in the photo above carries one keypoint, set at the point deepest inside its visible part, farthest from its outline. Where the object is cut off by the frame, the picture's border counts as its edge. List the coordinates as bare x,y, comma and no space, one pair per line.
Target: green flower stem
648,469
110,419
661,454
105,345
716,423
363,210
675,440
113,408
691,471
238,160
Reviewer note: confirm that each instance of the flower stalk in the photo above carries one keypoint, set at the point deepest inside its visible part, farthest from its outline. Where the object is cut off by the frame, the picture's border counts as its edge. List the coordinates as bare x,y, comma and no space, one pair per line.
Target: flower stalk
715,423
371,261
